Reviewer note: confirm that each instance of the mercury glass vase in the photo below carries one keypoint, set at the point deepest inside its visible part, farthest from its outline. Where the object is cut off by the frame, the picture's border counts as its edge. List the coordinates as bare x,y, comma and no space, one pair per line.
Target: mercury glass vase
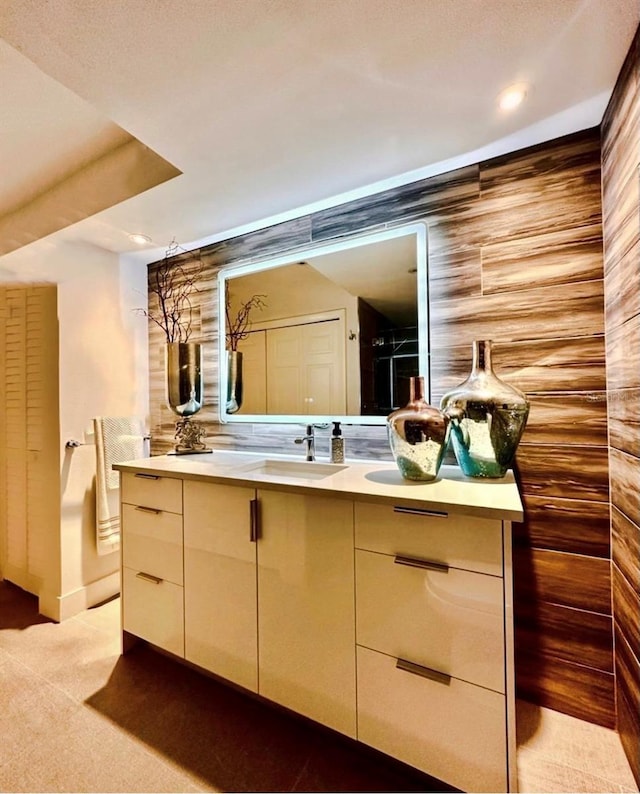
488,417
418,435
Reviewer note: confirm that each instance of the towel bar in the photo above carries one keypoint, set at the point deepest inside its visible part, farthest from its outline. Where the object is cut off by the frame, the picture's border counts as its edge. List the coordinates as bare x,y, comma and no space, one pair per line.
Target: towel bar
72,443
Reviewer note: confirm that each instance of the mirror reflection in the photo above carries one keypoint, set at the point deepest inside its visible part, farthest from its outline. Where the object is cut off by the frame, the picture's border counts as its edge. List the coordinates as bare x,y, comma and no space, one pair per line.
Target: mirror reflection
329,332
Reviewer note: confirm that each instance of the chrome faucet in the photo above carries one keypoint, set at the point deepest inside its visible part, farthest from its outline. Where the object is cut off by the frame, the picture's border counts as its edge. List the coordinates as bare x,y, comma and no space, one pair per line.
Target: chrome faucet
310,441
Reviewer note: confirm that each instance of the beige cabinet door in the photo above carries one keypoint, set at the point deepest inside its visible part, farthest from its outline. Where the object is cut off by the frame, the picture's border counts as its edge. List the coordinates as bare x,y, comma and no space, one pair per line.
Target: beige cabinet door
306,369
220,581
306,606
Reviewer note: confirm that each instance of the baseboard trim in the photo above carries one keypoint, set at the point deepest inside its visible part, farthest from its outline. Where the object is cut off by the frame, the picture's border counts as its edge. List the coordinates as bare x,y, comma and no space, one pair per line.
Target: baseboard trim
63,607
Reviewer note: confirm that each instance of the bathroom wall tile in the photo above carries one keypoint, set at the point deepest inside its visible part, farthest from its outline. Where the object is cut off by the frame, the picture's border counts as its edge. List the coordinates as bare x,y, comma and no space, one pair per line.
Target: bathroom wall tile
564,471
620,215
406,203
623,355
571,525
625,484
573,689
262,243
454,273
622,301
558,257
570,580
533,366
626,608
567,419
624,420
575,635
628,700
625,543
527,314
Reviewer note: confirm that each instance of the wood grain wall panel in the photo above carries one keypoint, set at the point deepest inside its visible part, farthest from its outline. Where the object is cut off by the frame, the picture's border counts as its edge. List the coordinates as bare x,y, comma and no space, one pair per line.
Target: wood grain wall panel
565,472
570,525
623,355
622,302
536,366
625,537
526,314
560,257
583,692
624,420
454,274
406,203
620,221
567,418
569,580
628,700
625,483
621,121
263,243
559,632
627,602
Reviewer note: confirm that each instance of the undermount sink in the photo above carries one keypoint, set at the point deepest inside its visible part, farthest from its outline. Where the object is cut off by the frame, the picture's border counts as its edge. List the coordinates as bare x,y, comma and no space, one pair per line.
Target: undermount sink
304,470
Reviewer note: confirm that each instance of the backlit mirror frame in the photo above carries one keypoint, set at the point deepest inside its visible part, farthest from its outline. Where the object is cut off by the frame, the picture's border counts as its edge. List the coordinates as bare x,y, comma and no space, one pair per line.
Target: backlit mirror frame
290,257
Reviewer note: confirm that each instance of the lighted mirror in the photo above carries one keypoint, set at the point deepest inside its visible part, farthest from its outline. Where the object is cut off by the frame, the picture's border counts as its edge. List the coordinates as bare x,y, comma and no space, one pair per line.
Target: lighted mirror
332,332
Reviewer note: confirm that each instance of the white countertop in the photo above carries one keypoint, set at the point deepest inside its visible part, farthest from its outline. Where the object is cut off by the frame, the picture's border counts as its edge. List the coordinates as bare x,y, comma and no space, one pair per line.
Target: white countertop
371,481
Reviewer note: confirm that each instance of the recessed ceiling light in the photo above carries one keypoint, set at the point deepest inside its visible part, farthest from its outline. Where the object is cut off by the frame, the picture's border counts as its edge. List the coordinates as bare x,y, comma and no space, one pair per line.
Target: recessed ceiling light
511,97
140,239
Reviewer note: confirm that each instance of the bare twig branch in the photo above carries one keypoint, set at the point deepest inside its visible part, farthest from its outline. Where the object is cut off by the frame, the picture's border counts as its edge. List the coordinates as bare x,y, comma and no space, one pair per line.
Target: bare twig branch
239,327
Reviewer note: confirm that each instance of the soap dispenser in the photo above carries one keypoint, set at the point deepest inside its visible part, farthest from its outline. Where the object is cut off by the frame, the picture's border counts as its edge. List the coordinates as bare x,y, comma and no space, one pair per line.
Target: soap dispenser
337,444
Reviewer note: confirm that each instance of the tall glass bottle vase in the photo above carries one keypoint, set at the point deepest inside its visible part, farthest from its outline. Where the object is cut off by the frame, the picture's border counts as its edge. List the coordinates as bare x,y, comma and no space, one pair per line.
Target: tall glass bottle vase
488,417
418,435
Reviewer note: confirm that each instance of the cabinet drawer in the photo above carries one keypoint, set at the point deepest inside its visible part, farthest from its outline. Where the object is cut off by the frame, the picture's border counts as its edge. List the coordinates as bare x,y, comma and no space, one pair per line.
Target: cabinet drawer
474,544
454,731
153,611
152,542
450,620
151,490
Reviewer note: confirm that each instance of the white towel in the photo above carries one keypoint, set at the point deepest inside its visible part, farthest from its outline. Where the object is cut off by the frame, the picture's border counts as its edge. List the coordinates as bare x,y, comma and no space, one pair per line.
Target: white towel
117,438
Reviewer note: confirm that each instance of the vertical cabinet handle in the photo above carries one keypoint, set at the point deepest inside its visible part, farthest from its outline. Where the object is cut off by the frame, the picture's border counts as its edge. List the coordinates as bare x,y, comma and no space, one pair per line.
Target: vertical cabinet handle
254,528
423,672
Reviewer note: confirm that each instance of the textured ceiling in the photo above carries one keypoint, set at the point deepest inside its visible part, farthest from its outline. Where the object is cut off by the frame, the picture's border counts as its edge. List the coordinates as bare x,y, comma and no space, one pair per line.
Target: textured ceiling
265,106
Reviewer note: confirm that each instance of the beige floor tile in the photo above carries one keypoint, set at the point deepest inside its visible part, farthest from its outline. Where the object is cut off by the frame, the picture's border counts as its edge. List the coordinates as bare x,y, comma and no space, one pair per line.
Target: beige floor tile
573,743
539,774
105,617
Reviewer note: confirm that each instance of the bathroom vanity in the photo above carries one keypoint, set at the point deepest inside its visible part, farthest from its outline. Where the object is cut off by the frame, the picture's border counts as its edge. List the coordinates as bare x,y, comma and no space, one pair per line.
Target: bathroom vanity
375,606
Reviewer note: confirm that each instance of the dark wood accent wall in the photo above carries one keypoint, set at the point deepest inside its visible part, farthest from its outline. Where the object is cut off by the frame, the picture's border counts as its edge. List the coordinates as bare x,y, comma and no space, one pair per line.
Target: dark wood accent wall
621,226
515,255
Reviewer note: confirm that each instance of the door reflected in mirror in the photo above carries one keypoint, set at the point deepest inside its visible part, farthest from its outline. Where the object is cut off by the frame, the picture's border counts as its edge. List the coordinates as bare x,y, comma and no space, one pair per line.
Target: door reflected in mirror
333,331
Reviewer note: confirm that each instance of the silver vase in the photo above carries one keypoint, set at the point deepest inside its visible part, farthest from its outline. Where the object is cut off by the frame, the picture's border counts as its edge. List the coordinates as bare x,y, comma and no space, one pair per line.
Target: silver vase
183,369
234,381
418,435
488,417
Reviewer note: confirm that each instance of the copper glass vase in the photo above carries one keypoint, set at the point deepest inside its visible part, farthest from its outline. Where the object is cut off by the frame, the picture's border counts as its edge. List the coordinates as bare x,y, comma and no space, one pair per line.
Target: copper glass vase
418,435
488,417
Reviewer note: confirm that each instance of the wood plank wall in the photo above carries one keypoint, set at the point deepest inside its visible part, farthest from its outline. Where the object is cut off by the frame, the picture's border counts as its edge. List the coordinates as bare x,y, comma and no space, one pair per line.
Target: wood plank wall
621,226
515,255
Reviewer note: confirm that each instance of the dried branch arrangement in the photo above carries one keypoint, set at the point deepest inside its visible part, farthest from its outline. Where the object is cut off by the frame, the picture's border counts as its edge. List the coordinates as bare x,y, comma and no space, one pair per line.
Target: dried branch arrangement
173,284
238,327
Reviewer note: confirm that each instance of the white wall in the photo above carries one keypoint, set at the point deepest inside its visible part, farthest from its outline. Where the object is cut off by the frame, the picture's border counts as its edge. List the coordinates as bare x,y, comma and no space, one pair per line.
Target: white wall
102,371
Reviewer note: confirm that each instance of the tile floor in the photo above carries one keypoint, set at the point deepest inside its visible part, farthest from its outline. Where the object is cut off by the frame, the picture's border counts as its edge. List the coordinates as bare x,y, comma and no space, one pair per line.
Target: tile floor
76,716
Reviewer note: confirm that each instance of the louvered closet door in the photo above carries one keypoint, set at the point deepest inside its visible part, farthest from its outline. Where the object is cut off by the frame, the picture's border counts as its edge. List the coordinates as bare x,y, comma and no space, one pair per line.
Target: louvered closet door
29,434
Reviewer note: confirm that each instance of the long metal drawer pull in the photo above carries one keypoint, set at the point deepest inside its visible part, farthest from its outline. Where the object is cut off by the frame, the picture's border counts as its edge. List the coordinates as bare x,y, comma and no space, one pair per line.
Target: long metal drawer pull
418,511
149,577
424,672
414,562
148,509
253,520
147,476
